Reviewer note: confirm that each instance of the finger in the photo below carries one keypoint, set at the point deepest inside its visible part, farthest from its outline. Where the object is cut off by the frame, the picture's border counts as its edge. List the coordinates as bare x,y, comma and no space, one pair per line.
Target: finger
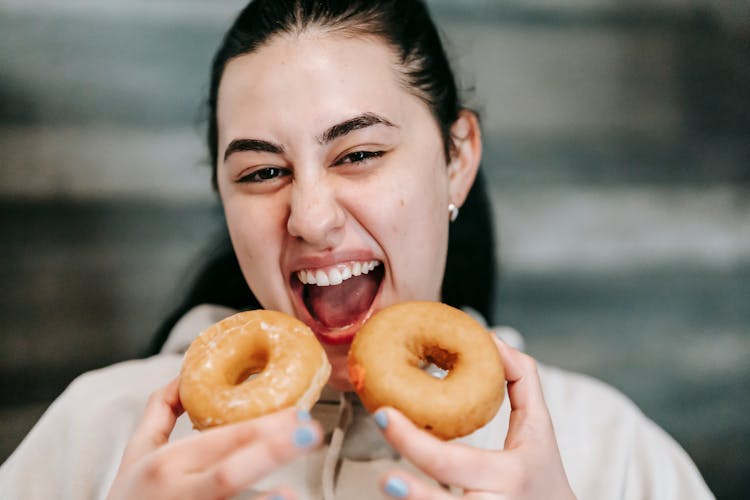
448,462
529,417
400,484
205,449
250,463
156,424
524,387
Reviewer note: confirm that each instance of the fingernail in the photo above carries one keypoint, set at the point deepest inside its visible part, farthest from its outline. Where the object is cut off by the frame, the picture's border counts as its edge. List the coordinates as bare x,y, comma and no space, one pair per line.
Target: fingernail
278,497
303,415
381,419
396,487
303,437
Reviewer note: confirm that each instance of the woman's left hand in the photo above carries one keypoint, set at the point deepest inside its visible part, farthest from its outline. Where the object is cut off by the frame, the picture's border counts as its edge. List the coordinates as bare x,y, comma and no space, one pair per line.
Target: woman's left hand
529,467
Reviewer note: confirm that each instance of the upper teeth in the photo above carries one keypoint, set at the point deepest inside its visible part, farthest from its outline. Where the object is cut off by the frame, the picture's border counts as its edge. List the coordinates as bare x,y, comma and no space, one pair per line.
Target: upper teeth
336,274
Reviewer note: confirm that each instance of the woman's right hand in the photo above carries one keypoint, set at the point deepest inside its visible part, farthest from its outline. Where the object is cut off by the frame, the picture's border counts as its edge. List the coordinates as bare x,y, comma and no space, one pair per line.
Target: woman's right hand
216,463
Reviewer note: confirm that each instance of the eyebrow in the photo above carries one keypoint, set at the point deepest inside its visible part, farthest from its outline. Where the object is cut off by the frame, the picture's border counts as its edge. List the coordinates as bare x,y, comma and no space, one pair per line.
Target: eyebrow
332,133
358,122
258,145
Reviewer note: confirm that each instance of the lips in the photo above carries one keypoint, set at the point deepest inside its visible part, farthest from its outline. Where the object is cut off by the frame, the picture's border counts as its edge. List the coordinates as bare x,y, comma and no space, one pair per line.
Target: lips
336,300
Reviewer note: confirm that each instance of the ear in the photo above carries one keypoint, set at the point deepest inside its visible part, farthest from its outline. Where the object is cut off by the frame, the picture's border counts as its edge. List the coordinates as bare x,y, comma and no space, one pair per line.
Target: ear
466,156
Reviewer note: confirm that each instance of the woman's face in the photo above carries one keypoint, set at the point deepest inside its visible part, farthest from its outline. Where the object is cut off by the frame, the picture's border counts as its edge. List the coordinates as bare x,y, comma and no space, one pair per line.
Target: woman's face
334,183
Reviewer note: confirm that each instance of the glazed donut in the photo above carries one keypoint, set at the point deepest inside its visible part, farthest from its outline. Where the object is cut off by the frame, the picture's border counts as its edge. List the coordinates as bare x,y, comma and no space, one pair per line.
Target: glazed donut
289,365
389,354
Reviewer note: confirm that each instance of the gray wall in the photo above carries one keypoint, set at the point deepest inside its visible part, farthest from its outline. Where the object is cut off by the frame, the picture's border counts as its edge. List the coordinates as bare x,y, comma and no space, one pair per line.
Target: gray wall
616,145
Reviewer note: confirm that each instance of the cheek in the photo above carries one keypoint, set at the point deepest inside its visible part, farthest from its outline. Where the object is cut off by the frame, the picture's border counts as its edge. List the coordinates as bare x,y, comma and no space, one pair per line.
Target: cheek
413,192
419,251
418,205
238,217
256,239
412,229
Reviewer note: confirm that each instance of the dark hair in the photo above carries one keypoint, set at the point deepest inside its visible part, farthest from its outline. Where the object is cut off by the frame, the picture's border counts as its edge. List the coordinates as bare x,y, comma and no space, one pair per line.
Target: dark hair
407,28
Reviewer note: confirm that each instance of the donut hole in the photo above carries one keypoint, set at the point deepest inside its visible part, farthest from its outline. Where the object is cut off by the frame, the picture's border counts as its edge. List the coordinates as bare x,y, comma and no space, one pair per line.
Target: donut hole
250,369
437,361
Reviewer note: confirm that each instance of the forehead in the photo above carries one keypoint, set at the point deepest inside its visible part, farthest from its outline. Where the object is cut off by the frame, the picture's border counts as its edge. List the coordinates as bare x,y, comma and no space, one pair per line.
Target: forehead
312,77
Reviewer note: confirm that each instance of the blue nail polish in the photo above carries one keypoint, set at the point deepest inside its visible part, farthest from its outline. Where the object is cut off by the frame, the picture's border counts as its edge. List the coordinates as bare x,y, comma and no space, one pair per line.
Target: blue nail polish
396,487
278,497
303,416
303,437
381,419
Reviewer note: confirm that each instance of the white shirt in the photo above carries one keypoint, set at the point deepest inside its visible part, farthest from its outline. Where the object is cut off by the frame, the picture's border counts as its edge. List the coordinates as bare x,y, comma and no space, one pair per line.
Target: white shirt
609,449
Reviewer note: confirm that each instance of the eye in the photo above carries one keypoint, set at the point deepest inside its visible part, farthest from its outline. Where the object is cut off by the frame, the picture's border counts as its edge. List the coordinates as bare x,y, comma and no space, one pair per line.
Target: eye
264,175
358,157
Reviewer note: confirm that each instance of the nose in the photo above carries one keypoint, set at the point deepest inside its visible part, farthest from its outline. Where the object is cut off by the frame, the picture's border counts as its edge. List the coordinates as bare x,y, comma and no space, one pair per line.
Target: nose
315,215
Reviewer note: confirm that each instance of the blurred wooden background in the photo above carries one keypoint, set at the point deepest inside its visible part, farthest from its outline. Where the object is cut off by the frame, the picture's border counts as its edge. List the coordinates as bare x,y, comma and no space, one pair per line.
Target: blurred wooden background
617,144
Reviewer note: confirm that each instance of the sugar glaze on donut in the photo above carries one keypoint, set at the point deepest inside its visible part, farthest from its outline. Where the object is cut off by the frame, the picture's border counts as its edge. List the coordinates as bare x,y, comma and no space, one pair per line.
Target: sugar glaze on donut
251,364
387,359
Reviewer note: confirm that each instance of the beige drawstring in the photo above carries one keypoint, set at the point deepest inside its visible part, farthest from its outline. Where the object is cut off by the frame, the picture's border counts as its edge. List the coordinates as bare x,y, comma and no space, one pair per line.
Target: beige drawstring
333,455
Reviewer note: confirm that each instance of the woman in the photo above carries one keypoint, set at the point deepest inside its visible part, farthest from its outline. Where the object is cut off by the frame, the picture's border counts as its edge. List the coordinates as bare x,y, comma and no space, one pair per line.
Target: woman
338,142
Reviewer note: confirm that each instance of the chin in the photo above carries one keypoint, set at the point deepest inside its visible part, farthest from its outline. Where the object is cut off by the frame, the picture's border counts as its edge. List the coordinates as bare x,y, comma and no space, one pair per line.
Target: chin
337,356
341,383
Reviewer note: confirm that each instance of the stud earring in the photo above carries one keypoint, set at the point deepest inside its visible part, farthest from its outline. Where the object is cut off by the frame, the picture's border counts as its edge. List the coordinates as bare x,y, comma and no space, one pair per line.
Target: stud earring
453,211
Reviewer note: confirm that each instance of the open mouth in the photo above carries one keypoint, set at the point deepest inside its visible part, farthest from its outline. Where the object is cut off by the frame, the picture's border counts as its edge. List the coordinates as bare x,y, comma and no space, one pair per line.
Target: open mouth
337,299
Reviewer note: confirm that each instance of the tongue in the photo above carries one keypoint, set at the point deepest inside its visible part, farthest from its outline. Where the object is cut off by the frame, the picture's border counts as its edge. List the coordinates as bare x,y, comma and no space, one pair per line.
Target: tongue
341,305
